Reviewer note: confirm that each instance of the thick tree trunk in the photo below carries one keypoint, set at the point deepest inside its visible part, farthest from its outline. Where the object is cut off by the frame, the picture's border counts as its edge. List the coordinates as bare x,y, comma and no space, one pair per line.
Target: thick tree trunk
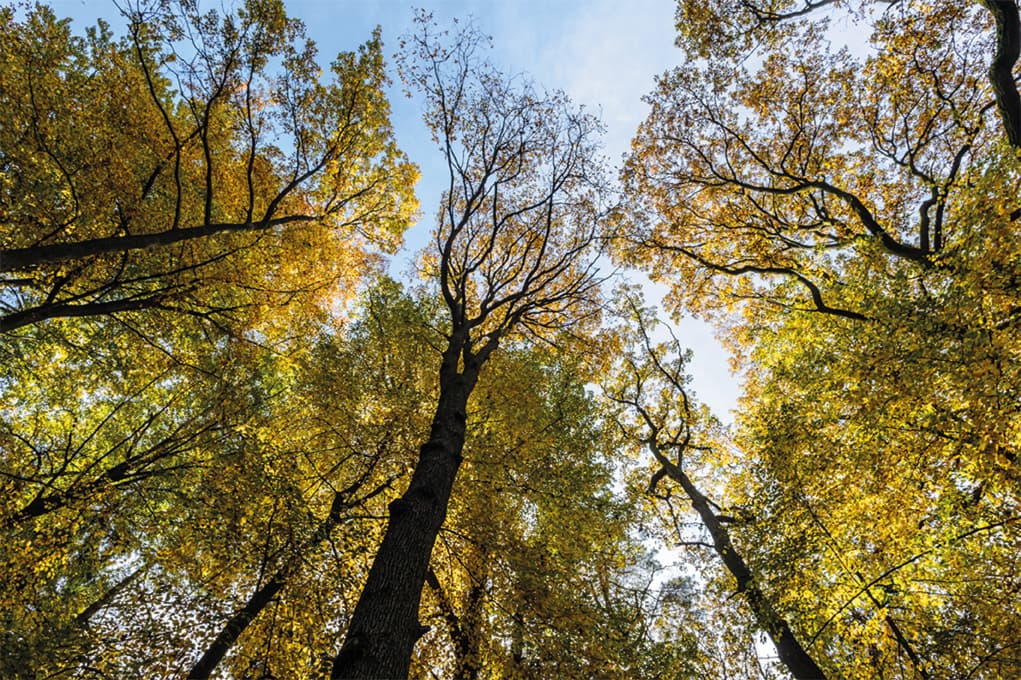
385,627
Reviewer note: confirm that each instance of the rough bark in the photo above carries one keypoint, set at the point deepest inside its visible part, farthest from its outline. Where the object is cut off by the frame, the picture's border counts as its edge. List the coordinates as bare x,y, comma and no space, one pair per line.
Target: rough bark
384,626
516,243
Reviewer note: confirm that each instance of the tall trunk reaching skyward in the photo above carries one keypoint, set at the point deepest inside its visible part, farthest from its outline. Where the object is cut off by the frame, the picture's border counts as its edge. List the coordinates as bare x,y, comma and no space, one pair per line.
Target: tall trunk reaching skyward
385,627
516,244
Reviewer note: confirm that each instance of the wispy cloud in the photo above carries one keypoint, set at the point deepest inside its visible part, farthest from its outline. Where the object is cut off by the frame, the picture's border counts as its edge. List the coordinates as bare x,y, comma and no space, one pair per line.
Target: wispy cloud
603,53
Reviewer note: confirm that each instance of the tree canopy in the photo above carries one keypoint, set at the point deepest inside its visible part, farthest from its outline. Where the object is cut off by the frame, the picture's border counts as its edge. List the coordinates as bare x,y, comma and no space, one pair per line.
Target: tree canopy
849,217
145,172
232,446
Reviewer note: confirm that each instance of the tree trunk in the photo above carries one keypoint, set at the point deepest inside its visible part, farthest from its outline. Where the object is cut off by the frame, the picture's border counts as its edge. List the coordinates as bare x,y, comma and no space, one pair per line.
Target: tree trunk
83,618
1001,70
262,597
230,633
464,631
470,665
791,653
385,627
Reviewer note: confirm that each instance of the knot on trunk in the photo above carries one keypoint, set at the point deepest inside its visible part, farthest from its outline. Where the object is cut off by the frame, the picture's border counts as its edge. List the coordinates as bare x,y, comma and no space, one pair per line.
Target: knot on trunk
400,506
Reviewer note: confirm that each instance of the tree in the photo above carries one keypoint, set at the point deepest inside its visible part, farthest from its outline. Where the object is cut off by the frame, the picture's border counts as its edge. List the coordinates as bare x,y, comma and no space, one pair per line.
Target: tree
247,550
357,442
814,158
658,414
93,446
514,257
179,207
918,431
175,170
851,221
538,571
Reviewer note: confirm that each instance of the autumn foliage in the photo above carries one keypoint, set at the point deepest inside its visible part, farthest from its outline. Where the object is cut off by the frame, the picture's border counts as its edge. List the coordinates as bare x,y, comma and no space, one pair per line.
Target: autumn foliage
231,446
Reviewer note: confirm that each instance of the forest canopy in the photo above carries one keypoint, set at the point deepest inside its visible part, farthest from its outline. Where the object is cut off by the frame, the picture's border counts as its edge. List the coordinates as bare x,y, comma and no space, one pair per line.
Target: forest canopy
233,445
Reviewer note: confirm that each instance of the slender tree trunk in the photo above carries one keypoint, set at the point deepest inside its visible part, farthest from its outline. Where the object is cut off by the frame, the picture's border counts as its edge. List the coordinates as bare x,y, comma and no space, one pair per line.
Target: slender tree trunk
517,646
237,624
262,597
470,667
385,627
463,630
795,657
86,614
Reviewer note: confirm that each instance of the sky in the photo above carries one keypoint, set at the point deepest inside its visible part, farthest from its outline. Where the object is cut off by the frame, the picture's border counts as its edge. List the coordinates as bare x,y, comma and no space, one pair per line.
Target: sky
603,53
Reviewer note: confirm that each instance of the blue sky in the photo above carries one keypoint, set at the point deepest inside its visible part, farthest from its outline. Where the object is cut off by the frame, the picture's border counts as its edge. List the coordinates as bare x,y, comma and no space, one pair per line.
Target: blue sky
603,53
